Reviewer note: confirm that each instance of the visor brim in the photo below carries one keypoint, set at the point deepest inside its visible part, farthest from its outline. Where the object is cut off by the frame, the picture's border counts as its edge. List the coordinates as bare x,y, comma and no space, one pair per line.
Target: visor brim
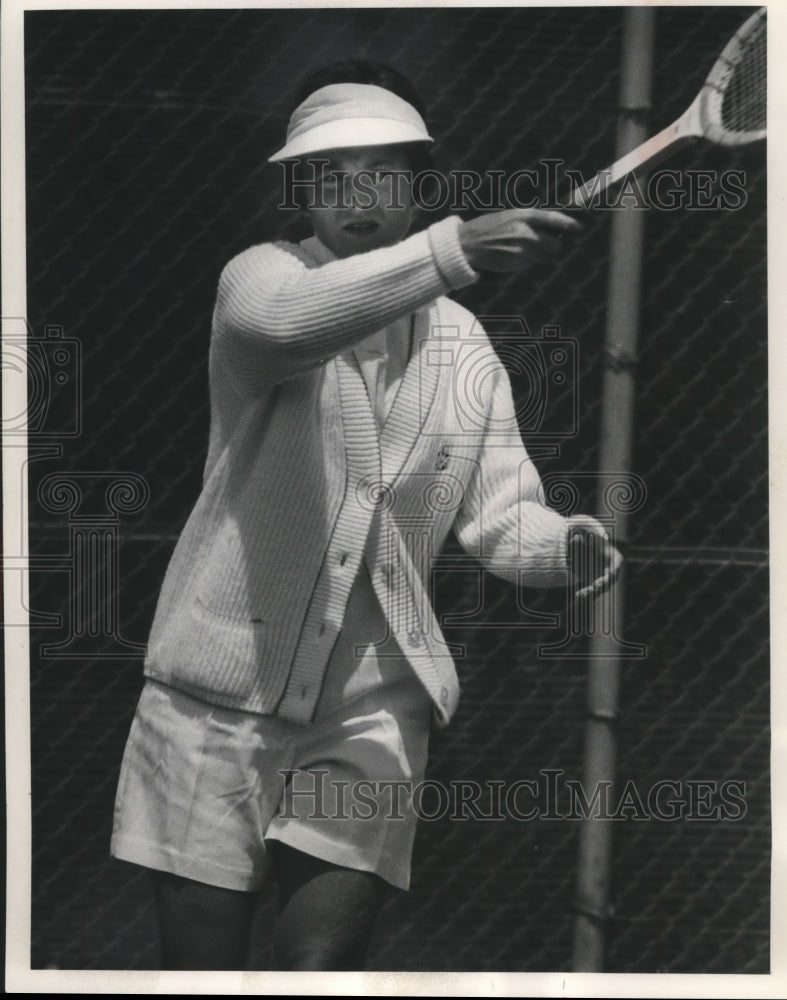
350,133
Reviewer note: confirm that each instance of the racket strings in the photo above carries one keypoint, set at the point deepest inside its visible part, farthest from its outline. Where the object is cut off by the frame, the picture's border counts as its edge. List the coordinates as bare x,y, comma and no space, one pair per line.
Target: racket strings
743,107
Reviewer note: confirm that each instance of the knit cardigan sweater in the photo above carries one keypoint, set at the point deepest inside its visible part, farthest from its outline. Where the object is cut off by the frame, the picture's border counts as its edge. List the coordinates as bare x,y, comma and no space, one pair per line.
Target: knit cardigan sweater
300,485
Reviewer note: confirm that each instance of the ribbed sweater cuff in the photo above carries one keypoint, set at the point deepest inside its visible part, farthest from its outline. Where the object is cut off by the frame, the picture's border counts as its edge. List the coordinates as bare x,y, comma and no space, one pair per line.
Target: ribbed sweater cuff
448,253
541,525
561,548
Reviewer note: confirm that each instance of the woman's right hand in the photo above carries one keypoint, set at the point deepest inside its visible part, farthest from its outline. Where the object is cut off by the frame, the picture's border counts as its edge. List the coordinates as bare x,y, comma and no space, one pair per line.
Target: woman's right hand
515,237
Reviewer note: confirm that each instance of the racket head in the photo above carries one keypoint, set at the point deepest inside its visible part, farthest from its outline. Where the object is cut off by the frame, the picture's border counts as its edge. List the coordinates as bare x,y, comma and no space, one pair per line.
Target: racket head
732,102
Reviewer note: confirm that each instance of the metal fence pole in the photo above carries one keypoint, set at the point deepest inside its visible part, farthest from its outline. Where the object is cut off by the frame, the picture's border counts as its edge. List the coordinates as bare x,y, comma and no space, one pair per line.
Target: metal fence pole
615,457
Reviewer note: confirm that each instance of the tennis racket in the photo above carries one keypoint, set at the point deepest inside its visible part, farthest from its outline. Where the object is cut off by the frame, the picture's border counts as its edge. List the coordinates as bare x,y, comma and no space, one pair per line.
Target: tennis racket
729,110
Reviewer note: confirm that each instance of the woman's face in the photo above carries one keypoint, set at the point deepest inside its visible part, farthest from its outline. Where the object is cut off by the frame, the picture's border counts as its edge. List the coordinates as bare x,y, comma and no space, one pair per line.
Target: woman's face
363,198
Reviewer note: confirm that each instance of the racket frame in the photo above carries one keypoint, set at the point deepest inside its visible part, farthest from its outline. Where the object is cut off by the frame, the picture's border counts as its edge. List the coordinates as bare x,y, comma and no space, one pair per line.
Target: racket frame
701,120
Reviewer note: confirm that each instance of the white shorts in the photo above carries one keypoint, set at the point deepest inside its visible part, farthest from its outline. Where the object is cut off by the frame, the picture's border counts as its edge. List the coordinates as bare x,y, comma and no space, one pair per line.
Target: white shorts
203,788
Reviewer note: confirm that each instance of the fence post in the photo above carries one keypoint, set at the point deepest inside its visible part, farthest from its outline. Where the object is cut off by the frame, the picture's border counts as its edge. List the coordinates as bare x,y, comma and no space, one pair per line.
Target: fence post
623,297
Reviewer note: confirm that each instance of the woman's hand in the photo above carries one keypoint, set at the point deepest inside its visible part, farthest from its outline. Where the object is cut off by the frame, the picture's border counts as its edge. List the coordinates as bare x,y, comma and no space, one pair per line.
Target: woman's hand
594,561
514,238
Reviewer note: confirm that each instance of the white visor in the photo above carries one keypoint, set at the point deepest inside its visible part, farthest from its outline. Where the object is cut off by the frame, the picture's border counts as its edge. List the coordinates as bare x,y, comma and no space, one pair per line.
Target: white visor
350,114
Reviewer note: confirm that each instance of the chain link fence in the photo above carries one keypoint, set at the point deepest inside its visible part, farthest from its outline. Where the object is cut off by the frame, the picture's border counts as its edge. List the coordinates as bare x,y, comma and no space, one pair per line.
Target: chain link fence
147,135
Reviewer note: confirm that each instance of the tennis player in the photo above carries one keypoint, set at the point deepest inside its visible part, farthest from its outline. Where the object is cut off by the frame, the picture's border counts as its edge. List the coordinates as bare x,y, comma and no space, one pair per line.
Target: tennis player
295,665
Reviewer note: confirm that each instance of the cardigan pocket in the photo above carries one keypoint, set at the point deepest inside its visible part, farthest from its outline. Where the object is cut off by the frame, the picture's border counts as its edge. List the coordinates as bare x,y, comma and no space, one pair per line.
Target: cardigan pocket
226,617
237,659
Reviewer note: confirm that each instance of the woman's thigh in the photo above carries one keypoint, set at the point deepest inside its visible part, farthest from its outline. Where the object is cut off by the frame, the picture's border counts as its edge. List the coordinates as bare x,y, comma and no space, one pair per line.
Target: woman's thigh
326,912
202,926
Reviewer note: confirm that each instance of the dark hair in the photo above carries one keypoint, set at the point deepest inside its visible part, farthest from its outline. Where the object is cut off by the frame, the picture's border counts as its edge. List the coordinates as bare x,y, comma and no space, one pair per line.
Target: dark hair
362,71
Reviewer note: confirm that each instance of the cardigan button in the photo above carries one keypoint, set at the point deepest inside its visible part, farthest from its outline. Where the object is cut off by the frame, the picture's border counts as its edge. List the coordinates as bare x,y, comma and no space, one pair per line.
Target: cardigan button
444,695
414,639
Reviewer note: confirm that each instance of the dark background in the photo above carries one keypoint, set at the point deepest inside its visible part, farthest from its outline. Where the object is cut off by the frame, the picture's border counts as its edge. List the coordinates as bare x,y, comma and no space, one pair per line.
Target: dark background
147,136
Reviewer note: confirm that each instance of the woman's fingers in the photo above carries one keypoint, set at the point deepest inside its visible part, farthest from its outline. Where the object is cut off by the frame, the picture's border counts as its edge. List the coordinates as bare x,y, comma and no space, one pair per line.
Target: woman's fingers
557,222
595,562
514,238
